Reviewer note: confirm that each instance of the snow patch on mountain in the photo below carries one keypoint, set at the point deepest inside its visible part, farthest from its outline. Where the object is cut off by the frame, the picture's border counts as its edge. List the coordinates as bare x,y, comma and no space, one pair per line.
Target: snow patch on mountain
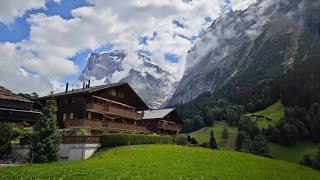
154,84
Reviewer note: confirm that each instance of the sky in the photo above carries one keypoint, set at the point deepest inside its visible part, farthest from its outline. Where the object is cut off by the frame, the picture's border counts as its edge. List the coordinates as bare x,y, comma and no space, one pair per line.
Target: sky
45,43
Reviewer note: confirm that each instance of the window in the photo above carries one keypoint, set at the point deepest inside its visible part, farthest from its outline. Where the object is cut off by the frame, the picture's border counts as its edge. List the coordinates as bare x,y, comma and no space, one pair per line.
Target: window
113,92
64,117
120,95
71,115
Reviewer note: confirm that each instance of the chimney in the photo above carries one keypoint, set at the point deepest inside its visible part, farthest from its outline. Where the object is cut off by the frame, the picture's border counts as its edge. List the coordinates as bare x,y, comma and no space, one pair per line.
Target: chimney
89,83
67,85
84,85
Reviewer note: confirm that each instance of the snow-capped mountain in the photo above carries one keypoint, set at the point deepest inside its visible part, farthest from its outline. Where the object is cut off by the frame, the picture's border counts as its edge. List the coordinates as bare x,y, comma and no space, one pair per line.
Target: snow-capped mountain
154,84
255,44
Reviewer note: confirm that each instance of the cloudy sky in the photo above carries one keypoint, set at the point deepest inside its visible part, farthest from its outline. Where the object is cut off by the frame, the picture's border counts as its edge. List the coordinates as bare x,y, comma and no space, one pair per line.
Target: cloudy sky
45,43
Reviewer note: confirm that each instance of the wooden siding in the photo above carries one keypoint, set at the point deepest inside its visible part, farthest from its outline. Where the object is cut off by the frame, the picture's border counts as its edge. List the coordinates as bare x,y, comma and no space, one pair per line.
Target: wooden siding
107,109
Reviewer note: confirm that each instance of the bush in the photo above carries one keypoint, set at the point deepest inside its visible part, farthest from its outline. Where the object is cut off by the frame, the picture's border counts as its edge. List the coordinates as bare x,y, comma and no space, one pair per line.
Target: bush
6,135
181,140
204,144
112,140
77,132
192,140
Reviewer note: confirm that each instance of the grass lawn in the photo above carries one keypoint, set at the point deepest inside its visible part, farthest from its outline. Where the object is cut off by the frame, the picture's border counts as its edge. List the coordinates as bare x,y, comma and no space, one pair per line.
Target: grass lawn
203,135
164,162
275,112
295,152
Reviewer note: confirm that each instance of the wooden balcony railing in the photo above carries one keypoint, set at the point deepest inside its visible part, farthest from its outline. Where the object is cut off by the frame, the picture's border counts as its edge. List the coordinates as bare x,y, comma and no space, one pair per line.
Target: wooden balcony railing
174,127
84,122
125,127
114,110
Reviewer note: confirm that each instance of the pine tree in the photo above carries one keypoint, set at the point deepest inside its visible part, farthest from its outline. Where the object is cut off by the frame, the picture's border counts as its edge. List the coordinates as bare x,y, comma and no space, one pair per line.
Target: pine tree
243,142
45,139
213,143
225,134
260,146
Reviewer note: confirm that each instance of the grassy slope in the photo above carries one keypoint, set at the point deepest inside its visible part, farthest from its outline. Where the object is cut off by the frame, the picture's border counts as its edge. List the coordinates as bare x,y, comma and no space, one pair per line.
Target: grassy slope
203,135
275,112
165,162
295,152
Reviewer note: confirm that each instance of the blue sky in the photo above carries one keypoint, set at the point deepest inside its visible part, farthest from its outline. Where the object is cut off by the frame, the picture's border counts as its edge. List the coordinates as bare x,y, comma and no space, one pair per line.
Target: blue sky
47,42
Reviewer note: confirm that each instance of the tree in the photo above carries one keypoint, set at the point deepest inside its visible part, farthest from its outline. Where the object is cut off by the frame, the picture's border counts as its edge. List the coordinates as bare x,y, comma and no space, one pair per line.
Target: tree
213,143
6,136
250,107
225,134
260,145
197,122
246,124
243,142
45,138
246,145
306,161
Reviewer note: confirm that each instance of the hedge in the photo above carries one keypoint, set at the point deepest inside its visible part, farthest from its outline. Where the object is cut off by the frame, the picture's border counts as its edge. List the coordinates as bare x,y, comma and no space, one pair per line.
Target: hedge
112,140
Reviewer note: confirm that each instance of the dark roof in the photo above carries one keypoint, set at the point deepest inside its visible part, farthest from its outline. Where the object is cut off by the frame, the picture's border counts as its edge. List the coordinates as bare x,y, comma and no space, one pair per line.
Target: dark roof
84,91
139,103
8,95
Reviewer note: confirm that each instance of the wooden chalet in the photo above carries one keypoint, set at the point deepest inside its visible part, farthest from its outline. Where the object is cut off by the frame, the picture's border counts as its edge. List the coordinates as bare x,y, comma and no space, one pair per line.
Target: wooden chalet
16,109
162,121
100,109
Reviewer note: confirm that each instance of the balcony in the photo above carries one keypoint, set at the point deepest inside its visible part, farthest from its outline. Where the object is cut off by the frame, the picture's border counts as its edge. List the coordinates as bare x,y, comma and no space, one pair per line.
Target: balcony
106,109
107,125
127,127
173,127
84,123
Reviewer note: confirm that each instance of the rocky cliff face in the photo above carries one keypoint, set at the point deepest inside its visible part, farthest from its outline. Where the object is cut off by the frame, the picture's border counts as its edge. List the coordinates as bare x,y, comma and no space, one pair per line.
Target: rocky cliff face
259,43
149,80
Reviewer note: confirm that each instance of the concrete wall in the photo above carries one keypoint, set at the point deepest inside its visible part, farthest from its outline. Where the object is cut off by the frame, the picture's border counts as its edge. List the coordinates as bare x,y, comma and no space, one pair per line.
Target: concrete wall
67,152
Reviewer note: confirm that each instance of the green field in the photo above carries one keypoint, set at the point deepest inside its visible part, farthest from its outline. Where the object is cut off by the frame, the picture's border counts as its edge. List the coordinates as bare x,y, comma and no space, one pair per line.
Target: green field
295,152
275,112
203,135
164,162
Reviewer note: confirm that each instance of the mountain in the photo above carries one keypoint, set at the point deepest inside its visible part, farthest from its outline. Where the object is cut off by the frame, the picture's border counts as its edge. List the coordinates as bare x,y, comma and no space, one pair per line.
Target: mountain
259,43
154,84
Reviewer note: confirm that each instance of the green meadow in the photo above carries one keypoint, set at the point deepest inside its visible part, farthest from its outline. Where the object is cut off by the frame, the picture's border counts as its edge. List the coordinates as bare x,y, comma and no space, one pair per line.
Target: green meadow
275,112
164,162
202,135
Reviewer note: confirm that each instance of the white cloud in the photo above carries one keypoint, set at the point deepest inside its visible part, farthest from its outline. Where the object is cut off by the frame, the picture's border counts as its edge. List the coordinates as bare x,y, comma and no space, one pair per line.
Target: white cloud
57,1
54,40
14,76
11,9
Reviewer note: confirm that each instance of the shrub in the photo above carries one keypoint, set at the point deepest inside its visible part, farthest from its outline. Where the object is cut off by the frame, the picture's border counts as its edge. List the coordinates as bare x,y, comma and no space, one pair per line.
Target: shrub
192,140
204,144
225,134
6,135
114,139
77,132
181,140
